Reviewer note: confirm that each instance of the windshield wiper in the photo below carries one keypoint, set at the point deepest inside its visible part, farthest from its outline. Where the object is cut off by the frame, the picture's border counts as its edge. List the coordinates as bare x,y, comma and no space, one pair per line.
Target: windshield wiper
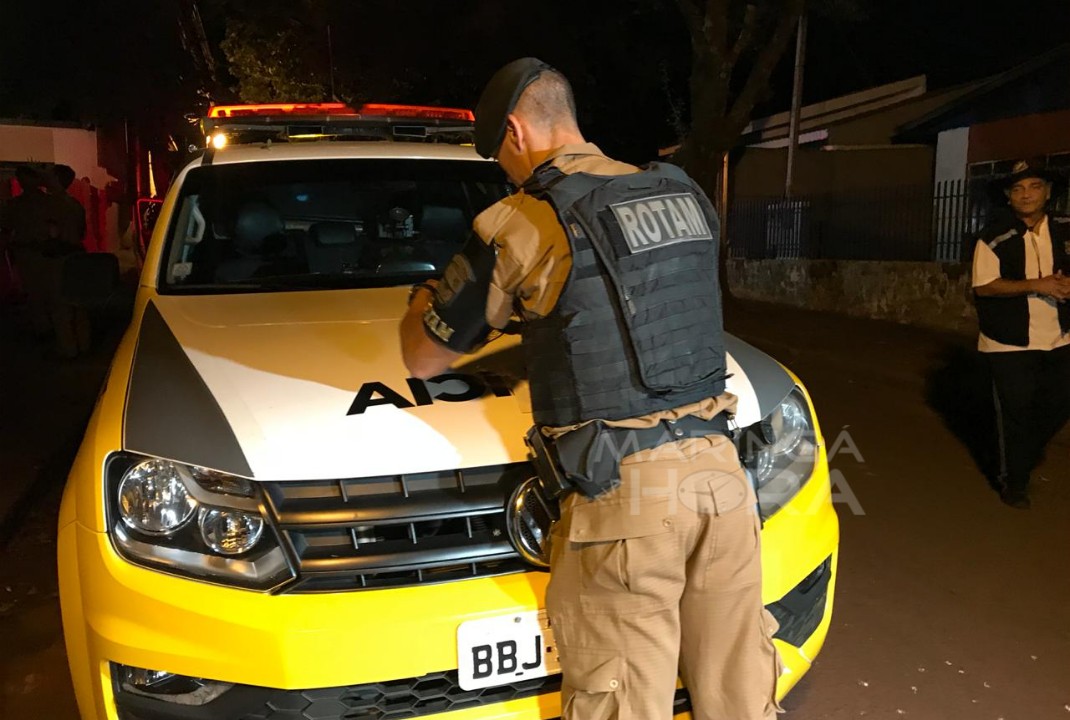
306,281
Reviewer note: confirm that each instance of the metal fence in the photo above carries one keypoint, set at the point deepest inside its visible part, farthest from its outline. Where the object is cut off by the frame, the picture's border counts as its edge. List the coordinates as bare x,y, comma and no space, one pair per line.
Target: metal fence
960,210
902,223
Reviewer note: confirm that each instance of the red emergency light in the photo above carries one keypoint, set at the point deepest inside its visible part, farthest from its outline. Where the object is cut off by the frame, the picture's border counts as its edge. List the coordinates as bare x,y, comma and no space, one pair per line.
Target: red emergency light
416,111
268,110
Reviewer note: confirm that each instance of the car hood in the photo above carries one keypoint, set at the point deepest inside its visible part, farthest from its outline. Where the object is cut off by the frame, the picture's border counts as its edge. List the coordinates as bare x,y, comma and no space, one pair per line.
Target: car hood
311,385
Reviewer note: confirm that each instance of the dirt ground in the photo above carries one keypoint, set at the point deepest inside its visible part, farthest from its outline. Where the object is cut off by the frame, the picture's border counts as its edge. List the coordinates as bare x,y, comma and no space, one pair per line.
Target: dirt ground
949,606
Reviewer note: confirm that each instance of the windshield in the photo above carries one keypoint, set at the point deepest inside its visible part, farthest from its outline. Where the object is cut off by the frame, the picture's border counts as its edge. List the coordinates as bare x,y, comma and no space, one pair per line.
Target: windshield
297,225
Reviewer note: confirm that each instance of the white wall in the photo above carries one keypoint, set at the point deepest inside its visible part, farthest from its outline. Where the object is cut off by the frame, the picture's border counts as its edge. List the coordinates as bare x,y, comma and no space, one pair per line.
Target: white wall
951,149
60,145
950,177
43,144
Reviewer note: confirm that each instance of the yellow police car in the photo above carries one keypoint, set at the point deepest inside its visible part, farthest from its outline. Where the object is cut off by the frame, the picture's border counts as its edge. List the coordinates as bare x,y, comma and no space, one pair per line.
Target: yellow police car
269,520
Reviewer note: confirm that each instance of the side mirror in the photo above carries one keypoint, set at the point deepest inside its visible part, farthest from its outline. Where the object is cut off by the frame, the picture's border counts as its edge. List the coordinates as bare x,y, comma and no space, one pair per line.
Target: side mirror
89,279
146,213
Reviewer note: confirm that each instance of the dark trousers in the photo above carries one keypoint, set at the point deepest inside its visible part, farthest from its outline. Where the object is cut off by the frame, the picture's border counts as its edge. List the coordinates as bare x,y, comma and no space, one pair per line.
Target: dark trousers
1032,394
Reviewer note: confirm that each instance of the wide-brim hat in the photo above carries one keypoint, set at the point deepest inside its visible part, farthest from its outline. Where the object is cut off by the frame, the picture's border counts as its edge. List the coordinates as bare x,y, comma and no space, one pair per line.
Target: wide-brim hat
1029,168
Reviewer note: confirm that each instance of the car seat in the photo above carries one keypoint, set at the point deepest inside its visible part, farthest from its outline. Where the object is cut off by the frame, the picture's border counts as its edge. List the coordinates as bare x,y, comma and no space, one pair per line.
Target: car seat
256,224
443,223
443,229
333,247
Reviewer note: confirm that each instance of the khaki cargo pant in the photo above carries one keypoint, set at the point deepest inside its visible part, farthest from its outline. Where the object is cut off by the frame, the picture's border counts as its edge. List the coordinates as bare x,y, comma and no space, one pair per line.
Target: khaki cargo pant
660,577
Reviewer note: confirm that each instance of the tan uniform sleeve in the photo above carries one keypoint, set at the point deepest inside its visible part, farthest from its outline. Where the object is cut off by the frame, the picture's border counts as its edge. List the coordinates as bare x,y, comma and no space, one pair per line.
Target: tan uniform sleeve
533,258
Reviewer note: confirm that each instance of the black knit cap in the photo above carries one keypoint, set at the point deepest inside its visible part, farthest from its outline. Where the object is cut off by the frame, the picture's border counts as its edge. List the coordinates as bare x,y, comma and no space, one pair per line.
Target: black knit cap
498,100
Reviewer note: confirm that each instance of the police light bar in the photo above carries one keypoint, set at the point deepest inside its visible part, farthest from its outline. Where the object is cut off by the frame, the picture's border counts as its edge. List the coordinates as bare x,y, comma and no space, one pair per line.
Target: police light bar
270,110
283,122
424,112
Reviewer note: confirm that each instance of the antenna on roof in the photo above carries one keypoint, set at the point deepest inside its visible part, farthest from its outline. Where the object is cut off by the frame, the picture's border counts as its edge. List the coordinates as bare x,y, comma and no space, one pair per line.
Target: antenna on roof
330,62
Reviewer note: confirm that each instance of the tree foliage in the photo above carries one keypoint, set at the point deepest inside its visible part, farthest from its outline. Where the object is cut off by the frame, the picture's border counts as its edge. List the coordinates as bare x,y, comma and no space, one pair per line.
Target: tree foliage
274,51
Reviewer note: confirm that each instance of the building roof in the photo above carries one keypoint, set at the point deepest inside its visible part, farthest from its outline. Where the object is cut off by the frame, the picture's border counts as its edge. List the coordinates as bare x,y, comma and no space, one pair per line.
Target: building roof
1038,85
818,116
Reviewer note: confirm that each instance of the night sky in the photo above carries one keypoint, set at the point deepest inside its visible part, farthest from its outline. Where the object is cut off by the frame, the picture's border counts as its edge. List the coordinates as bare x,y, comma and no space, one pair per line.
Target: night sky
70,61
949,41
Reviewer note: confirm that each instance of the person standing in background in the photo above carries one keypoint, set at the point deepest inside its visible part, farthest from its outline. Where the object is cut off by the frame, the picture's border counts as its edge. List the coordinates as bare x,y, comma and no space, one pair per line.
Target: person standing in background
67,226
1021,280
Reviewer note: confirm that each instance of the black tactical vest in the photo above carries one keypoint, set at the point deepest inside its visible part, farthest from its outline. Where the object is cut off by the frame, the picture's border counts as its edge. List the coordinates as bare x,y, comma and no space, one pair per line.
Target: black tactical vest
638,325
1006,319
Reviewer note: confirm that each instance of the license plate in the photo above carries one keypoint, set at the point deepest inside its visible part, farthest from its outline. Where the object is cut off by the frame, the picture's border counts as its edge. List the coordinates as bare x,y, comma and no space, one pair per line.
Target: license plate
504,649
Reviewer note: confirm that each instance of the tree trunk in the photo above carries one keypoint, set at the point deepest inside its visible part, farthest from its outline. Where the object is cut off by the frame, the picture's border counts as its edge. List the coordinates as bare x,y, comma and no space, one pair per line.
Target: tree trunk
715,123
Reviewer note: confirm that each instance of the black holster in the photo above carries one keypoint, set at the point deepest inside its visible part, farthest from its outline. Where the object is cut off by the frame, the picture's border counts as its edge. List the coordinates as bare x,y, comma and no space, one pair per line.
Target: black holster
588,458
582,457
568,463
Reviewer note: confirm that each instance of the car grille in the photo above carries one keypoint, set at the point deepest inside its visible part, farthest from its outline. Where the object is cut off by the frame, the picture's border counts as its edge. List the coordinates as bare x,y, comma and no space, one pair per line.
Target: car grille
427,695
800,611
409,698
397,530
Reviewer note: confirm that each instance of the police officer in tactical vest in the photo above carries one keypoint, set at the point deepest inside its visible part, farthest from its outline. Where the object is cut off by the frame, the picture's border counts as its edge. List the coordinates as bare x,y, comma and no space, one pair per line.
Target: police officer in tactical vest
1021,280
609,274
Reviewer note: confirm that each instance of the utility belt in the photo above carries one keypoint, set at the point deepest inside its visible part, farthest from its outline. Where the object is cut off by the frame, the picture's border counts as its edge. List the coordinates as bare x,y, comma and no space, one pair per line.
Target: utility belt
588,458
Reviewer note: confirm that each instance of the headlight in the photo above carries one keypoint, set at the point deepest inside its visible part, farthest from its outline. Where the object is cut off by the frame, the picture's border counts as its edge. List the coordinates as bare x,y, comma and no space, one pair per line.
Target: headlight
230,532
192,522
781,455
153,499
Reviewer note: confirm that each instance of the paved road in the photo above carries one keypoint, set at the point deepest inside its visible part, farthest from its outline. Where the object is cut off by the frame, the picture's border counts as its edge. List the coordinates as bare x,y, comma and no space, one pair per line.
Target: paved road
950,605
44,404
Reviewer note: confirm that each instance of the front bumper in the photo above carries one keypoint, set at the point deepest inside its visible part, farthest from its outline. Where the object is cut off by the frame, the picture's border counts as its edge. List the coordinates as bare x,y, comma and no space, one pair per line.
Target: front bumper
114,612
389,653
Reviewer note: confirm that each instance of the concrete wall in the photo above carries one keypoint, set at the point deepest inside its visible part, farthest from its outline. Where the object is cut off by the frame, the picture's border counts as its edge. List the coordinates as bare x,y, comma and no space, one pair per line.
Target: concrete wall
1020,137
46,144
934,295
759,172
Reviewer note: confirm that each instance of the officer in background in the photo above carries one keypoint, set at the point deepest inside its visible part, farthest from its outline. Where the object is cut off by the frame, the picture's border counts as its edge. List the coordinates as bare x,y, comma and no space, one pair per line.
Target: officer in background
71,323
69,213
27,229
43,230
1021,266
610,274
